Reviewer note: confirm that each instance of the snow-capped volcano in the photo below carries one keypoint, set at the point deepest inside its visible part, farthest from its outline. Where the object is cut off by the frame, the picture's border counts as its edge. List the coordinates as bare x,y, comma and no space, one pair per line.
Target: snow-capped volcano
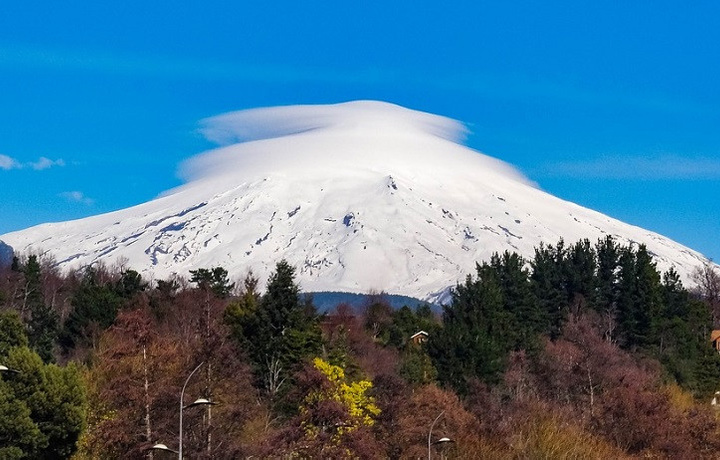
358,196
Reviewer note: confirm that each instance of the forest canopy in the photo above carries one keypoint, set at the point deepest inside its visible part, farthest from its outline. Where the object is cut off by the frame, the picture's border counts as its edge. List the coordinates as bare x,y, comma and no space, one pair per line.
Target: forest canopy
584,351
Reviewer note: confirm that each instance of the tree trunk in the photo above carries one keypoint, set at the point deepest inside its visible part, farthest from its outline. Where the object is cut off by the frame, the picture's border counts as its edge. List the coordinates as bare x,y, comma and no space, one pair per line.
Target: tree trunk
148,428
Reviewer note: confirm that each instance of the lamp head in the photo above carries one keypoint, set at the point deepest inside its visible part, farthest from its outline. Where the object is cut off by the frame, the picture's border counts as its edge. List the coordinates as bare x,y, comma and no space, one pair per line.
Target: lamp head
163,447
200,402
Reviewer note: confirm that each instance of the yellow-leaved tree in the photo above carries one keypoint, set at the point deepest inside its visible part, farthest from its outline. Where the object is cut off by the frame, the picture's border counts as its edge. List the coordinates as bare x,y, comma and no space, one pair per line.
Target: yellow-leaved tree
351,396
335,416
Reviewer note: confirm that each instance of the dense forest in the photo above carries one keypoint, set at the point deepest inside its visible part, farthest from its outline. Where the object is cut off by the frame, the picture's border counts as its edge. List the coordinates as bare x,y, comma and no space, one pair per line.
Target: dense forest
584,351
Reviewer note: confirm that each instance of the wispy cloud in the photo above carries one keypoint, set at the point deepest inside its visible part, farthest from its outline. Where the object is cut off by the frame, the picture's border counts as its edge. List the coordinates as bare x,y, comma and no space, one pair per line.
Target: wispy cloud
77,197
662,167
45,163
42,163
7,162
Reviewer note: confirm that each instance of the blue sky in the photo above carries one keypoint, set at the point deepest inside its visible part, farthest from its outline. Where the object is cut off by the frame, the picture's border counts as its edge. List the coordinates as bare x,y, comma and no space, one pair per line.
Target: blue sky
612,105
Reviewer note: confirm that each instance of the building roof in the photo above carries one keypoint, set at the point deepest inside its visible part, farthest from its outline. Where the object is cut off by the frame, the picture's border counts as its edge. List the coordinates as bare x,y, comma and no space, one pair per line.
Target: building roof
425,334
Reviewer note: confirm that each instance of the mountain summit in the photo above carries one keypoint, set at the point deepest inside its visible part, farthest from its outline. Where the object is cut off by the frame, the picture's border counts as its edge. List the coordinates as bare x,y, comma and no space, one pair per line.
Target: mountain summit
358,196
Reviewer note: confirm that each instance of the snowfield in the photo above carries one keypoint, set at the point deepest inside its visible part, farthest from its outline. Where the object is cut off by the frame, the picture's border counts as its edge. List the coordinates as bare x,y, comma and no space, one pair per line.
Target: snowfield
361,196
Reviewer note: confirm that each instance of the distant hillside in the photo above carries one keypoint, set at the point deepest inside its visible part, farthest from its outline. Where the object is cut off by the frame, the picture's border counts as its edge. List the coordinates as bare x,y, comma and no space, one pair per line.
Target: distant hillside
326,301
6,254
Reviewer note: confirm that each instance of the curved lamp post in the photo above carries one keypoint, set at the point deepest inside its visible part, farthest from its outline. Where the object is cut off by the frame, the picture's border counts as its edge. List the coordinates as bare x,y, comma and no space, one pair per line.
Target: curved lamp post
430,434
439,441
197,402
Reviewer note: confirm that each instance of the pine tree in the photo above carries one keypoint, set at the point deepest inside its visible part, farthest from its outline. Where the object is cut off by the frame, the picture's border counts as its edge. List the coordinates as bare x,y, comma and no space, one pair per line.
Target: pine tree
580,269
95,307
640,305
548,285
282,330
476,333
676,346
628,310
518,299
214,279
605,299
406,322
42,406
649,296
129,284
241,314
42,324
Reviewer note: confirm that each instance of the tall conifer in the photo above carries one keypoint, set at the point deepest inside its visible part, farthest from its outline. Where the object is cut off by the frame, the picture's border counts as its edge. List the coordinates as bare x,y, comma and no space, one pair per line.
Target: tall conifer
42,324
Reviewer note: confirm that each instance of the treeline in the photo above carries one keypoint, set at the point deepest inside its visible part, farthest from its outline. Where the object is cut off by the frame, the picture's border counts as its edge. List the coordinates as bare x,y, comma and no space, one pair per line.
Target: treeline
585,351
511,304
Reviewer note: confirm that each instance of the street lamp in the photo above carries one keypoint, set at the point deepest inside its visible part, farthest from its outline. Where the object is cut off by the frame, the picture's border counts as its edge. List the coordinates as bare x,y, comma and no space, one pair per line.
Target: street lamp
197,402
439,441
442,442
200,402
4,368
164,448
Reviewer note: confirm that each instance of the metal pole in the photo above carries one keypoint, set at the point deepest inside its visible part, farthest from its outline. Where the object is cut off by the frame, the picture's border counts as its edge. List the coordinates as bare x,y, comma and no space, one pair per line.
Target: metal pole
182,397
430,435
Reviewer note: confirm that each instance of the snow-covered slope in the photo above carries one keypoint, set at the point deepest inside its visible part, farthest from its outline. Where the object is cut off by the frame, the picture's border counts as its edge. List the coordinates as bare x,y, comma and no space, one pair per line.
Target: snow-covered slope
358,196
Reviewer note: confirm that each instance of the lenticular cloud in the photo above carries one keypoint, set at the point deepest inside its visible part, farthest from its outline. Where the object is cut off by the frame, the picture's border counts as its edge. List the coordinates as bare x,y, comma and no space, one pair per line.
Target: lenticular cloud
264,123
335,139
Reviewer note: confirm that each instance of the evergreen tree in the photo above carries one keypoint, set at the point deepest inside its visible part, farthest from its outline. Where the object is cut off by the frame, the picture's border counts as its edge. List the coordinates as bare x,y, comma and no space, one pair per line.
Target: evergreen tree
518,299
280,331
41,406
640,302
675,296
95,307
12,333
42,325
628,309
580,266
241,313
416,366
548,285
474,339
605,299
214,279
288,327
406,322
129,284
707,373
681,336
649,296
19,435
